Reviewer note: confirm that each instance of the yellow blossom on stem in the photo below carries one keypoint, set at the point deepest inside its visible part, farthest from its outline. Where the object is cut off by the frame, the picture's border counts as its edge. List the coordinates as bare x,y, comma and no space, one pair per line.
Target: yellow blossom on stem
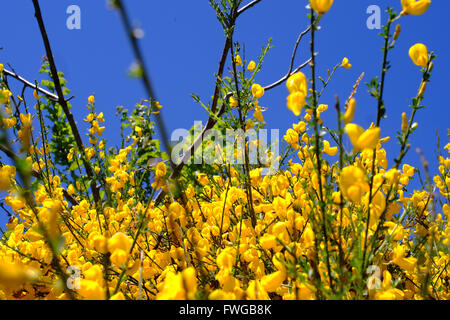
297,83
415,7
5,96
332,151
345,63
257,91
233,102
258,114
321,6
350,112
251,66
419,54
238,60
362,140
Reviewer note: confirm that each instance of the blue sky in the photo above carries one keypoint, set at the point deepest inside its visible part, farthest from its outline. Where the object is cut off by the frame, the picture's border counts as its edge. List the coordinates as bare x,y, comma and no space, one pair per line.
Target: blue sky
182,46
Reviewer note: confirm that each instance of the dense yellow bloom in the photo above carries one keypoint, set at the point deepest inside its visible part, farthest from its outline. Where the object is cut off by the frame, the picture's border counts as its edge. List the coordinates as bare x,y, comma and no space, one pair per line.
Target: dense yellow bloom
361,139
399,258
179,286
91,290
231,231
5,96
415,7
321,6
255,291
13,274
119,241
202,179
353,183
257,91
7,173
118,296
345,63
419,54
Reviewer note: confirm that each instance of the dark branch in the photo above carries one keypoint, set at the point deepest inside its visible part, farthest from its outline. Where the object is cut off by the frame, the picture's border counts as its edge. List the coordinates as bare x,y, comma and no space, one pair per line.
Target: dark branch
63,102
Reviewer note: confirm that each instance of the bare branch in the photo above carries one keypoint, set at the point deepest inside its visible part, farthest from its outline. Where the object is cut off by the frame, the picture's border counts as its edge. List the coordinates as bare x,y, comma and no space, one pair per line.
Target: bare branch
283,79
248,6
49,95
63,102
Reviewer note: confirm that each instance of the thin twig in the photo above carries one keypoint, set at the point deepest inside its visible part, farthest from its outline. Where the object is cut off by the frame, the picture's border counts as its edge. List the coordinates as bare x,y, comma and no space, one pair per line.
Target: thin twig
49,95
246,7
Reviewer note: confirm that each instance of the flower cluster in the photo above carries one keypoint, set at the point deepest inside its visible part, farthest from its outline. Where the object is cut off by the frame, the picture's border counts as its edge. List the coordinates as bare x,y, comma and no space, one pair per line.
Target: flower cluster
312,230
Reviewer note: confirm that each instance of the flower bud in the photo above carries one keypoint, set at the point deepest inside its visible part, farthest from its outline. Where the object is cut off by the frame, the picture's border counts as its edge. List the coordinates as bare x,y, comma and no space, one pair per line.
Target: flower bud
404,122
398,30
350,113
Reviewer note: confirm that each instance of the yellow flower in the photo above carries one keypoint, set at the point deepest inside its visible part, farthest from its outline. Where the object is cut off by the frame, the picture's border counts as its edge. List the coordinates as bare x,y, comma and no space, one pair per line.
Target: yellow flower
238,60
189,282
295,102
346,64
291,138
415,7
321,6
258,114
119,241
419,54
233,102
119,257
404,122
399,258
353,183
138,131
255,291
12,274
297,83
202,178
91,99
118,296
172,288
268,241
158,105
7,173
36,95
1,68
161,170
91,290
257,91
362,140
5,96
350,113
251,66
330,151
